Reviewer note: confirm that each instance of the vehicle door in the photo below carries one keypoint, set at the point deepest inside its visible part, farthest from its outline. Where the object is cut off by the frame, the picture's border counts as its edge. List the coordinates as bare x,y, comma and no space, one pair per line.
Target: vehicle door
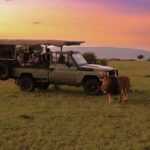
63,73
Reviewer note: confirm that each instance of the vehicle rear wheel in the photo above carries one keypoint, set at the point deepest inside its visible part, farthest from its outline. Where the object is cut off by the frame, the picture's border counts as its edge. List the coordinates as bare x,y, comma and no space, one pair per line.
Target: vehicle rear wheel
26,84
92,87
4,71
42,86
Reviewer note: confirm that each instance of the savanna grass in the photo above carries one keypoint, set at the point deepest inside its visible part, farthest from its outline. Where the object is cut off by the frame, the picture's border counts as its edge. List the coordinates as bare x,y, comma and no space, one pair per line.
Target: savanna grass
67,119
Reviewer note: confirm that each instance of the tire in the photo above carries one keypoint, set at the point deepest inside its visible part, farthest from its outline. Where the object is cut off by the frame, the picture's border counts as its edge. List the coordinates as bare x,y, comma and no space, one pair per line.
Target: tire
4,71
26,84
92,87
42,86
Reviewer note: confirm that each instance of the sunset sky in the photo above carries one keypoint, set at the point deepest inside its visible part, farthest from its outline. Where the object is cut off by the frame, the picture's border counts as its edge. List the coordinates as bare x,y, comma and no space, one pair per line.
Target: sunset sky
115,23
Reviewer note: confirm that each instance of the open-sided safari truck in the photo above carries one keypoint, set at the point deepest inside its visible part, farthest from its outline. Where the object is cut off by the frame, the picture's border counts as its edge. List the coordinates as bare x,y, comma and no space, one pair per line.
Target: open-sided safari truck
33,65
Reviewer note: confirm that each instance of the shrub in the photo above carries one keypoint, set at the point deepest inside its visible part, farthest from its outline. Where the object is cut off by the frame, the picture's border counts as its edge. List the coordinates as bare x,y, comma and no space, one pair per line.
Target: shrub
103,62
90,57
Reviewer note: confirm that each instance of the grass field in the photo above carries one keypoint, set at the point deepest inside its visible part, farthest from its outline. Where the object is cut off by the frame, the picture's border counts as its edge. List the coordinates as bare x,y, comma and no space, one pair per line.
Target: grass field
69,120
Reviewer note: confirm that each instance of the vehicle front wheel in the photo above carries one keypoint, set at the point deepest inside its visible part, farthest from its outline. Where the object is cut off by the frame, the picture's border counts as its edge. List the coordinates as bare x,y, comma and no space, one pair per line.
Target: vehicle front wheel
26,84
92,87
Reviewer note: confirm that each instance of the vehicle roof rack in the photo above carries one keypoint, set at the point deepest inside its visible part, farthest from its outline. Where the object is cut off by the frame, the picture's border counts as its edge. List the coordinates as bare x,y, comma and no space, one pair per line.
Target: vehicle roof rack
57,43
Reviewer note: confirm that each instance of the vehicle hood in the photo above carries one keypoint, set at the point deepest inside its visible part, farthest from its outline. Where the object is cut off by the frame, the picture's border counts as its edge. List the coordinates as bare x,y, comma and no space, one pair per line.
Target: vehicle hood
97,67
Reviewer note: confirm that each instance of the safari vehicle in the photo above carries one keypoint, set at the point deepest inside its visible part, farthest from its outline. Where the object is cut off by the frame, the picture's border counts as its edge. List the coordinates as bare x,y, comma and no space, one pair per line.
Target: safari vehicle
73,70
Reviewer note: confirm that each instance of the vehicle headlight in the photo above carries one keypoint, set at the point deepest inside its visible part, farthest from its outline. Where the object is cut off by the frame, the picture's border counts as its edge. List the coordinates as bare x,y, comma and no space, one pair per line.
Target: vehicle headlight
103,73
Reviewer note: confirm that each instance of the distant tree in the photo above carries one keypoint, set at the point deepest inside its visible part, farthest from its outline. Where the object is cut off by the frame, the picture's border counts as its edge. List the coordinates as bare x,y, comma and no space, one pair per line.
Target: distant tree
90,57
140,57
33,47
103,62
36,47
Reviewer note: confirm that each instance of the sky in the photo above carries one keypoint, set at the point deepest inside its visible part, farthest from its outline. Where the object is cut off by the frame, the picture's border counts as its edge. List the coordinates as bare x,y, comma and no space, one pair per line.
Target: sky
110,23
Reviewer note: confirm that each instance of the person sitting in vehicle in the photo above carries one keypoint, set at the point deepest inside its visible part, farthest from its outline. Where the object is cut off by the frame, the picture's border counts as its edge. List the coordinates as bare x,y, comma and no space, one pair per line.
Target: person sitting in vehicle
20,59
61,59
47,57
37,59
29,53
33,60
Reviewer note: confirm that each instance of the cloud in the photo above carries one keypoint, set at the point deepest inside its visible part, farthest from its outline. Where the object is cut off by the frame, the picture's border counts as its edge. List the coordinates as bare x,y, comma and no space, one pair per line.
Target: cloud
131,6
140,4
127,6
8,0
37,22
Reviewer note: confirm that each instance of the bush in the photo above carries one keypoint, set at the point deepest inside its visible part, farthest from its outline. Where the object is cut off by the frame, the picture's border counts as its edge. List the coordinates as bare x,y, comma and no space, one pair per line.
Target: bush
90,57
148,59
103,62
140,57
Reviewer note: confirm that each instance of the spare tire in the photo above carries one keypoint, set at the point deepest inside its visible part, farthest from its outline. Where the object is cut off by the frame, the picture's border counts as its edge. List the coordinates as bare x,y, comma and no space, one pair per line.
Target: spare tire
4,71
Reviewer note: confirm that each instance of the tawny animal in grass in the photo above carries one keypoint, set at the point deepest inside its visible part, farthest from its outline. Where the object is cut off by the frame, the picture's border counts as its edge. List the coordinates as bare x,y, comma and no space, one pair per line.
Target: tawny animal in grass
116,86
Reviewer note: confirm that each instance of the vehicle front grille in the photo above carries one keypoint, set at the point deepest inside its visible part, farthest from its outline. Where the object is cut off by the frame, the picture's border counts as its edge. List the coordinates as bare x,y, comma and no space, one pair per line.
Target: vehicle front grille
113,73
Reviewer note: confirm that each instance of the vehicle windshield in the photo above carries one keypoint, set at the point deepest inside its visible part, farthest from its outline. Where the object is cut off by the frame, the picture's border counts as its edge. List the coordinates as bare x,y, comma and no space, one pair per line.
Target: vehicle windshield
80,60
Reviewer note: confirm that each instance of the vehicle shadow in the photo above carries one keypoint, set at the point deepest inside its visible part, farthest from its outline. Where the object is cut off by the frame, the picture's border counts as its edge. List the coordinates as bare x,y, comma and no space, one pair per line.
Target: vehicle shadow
68,91
62,90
